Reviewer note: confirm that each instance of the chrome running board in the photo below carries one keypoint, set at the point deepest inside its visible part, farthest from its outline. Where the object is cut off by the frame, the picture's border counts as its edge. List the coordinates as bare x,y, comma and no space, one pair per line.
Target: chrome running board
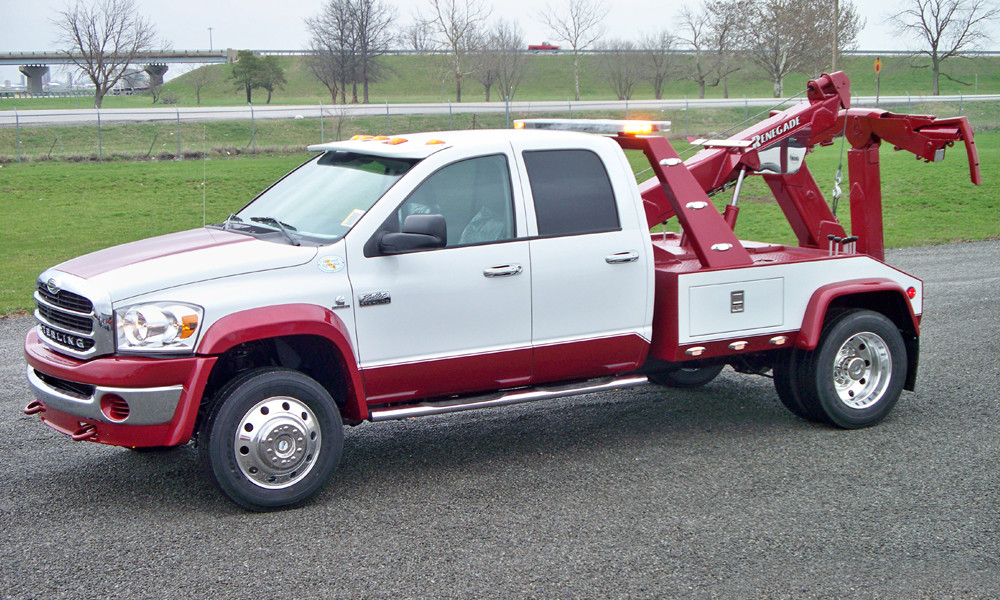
451,405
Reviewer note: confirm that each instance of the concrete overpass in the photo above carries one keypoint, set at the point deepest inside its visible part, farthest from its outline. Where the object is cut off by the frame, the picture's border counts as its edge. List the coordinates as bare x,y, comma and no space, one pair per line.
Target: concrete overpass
35,65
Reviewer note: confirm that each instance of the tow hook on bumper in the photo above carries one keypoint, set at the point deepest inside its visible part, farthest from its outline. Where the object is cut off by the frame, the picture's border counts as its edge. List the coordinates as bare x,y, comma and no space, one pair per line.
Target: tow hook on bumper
86,432
34,407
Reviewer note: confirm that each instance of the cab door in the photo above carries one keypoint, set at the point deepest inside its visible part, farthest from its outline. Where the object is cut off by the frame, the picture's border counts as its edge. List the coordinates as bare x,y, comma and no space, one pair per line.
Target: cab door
592,280
455,319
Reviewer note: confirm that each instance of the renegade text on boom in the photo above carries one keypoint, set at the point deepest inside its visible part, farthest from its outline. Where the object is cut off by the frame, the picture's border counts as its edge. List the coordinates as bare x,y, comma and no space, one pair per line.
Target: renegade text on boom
760,138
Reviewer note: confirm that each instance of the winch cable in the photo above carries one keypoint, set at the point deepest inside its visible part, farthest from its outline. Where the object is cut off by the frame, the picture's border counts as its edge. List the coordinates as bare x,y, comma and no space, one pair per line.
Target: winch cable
840,169
743,123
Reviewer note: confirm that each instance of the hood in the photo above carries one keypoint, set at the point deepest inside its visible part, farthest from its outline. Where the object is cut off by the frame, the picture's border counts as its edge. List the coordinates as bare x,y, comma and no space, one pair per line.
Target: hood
181,258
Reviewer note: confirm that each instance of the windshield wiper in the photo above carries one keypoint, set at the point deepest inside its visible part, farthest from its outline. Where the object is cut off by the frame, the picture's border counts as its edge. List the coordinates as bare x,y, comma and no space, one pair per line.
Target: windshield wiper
231,219
284,227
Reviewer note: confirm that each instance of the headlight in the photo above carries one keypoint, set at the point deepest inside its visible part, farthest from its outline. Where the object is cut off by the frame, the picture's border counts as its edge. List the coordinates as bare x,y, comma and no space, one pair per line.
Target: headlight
159,326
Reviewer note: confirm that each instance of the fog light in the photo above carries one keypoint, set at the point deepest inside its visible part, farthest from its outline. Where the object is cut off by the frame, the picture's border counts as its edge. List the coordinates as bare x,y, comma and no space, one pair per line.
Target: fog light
114,407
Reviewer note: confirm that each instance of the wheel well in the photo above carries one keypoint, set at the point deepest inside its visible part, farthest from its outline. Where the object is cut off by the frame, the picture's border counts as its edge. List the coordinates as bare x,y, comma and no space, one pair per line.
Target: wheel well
311,355
892,305
889,303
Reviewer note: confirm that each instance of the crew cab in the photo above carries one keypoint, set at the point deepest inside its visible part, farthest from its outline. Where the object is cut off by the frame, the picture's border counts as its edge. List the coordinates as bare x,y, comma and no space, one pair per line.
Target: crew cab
394,277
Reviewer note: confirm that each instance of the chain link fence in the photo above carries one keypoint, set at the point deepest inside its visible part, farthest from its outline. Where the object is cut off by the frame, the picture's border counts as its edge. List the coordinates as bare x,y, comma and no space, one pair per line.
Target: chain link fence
184,133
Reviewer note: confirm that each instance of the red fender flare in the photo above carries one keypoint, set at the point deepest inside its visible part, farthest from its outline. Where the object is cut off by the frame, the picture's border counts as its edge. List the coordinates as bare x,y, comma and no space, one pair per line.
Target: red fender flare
287,320
812,322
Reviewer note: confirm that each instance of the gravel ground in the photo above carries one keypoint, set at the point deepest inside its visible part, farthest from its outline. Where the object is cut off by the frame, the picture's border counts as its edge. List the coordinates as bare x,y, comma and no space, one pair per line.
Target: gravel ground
646,493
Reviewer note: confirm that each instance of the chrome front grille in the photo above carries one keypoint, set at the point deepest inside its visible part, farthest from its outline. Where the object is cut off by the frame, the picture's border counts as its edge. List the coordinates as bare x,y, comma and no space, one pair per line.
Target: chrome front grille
65,299
73,321
74,317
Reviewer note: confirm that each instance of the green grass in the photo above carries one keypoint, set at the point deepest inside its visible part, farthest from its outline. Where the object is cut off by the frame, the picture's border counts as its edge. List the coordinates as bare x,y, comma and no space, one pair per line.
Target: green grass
56,210
548,77
145,141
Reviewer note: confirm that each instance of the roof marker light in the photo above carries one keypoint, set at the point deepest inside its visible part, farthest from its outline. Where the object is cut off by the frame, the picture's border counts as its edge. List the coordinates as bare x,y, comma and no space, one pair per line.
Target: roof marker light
380,138
396,141
434,142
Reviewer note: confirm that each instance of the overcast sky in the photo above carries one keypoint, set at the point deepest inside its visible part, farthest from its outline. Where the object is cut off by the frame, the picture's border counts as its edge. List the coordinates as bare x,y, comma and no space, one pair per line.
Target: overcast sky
278,24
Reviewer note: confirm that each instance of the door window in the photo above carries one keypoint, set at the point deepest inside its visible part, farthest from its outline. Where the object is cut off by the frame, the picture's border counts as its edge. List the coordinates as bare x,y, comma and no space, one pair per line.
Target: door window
473,195
572,192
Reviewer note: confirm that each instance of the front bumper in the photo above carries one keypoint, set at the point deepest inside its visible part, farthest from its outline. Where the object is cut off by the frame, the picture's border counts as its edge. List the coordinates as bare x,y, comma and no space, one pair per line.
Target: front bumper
121,401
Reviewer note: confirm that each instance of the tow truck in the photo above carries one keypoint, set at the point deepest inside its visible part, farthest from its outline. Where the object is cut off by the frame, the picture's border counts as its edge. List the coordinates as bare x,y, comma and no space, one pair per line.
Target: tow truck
398,277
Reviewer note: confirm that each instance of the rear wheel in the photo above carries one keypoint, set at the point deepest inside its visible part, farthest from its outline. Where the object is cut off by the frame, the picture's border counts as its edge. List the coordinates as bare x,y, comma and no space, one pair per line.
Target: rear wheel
788,381
272,440
688,377
856,374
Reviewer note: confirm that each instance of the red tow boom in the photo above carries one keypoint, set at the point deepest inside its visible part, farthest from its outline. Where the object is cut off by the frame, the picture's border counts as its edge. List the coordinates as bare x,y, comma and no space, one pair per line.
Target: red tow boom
774,149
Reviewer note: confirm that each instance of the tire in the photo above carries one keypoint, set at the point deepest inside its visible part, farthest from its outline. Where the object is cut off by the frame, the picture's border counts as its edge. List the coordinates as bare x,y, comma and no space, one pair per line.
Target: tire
787,382
856,374
689,377
272,439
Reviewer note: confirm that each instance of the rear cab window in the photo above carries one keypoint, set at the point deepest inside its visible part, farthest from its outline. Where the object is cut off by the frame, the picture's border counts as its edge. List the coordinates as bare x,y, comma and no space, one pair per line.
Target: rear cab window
572,192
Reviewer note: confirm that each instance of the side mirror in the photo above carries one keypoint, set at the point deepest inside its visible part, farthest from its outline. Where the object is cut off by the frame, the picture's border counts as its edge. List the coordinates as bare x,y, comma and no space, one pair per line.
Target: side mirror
420,232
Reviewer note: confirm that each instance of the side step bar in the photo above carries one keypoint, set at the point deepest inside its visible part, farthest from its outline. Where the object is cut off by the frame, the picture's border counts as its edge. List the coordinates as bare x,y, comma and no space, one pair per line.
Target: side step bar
505,398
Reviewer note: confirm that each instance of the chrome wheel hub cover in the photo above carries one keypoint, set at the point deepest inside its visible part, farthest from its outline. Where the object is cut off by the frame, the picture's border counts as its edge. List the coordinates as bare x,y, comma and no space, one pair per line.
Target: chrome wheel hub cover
862,369
277,442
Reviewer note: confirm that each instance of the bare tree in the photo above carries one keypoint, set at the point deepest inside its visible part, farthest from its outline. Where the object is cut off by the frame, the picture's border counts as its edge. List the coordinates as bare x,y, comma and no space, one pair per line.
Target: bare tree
945,28
417,36
783,36
372,22
713,32
509,40
102,38
325,67
724,37
485,62
456,25
695,32
499,58
347,38
198,79
620,64
333,41
579,25
657,57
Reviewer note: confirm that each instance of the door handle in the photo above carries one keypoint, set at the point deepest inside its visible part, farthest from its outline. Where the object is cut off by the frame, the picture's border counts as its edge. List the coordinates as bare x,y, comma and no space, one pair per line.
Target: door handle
622,257
503,271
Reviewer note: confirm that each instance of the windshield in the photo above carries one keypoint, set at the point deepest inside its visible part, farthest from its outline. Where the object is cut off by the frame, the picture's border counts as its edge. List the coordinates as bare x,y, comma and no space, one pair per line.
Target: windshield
321,200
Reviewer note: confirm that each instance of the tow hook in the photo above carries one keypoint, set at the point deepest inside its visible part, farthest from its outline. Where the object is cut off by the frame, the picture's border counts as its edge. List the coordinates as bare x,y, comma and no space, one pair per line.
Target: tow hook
86,432
34,407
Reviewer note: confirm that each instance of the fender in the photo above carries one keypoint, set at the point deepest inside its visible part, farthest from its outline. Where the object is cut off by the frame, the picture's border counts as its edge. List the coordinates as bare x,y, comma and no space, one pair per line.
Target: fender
812,322
287,320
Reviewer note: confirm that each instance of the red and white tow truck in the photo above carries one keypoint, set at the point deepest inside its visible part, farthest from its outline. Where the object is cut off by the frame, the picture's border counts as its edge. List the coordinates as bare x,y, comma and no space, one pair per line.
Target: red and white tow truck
394,277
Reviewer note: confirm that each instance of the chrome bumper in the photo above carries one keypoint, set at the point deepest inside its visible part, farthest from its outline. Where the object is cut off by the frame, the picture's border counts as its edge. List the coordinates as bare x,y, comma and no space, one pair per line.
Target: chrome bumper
147,406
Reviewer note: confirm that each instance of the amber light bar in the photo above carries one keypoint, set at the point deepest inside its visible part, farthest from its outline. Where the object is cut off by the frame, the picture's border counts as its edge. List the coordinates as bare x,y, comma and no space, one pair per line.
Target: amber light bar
605,126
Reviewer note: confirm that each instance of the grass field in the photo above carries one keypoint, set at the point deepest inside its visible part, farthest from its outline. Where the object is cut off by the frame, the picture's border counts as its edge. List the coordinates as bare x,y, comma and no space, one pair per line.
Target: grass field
167,140
56,210
548,77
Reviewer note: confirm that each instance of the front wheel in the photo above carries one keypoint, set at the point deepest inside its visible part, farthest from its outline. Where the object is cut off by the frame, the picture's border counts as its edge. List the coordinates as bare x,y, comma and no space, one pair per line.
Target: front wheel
856,374
272,440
